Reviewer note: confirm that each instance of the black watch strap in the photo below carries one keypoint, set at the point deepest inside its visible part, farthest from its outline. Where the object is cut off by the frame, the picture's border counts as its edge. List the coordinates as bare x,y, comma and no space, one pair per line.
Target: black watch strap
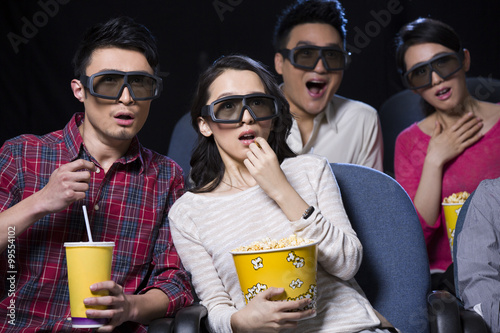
308,212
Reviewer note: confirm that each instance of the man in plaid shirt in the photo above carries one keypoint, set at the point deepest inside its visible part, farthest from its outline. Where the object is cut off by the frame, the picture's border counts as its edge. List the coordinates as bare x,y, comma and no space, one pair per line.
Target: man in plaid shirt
97,161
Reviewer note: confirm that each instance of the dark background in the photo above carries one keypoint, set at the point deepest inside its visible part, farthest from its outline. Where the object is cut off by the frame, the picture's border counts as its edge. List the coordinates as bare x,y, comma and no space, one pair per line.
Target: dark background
35,94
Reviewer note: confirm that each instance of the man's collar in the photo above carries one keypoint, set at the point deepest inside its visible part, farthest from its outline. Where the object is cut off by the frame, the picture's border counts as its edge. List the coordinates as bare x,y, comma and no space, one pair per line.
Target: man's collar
74,143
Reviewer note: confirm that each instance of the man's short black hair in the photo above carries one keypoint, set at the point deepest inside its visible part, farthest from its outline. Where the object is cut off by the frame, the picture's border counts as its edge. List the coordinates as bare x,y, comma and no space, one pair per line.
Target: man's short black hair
122,32
309,11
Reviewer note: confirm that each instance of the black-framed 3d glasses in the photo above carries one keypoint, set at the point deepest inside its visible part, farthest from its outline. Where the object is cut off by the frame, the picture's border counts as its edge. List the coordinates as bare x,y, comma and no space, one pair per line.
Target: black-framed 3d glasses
445,65
230,109
110,84
307,57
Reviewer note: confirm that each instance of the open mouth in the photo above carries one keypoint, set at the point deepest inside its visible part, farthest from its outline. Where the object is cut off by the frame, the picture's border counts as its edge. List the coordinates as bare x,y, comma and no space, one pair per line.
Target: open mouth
124,117
315,87
247,137
442,91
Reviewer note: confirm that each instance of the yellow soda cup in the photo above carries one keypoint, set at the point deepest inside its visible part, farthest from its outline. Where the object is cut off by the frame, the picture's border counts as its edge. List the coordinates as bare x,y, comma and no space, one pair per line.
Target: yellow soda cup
88,263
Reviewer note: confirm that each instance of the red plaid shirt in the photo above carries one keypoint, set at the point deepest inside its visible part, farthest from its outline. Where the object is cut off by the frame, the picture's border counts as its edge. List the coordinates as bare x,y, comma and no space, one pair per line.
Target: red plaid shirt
127,205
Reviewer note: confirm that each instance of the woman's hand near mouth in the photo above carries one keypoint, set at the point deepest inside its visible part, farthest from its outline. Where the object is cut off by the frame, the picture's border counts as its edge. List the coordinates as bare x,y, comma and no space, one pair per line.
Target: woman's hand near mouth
263,165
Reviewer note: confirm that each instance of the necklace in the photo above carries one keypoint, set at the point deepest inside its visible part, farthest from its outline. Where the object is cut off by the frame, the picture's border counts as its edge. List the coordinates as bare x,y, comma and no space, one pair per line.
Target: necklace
238,188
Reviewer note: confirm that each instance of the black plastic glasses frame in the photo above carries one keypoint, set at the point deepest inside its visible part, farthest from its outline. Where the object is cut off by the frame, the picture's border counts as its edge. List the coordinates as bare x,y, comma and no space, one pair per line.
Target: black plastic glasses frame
208,110
289,54
430,66
88,82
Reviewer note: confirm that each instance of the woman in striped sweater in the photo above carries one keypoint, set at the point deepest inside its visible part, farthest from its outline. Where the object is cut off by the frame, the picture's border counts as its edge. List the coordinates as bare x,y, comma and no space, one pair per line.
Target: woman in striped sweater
249,185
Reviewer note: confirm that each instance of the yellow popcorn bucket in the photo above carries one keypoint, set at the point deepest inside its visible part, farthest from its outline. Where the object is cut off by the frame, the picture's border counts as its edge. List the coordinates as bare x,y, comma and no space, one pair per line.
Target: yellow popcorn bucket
451,211
292,268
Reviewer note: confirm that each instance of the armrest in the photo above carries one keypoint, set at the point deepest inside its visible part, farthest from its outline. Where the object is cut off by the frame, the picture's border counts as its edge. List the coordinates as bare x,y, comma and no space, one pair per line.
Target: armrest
161,325
444,312
473,322
187,320
190,319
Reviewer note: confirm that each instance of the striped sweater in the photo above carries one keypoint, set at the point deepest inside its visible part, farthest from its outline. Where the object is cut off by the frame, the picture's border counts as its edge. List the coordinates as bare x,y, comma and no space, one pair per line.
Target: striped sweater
205,227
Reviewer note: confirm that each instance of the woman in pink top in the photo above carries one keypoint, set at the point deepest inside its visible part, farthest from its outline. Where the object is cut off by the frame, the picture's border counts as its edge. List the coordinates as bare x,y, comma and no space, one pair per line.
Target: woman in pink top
456,145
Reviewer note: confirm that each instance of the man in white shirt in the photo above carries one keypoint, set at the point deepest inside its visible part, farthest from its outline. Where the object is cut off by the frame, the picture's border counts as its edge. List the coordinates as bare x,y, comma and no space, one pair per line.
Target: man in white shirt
310,54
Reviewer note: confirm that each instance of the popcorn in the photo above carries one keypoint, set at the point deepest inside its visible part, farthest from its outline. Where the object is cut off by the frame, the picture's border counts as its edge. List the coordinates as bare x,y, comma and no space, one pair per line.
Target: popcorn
459,197
271,244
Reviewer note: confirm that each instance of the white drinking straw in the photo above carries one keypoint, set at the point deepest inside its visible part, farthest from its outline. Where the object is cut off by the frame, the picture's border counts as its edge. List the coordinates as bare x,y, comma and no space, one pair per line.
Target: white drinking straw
87,224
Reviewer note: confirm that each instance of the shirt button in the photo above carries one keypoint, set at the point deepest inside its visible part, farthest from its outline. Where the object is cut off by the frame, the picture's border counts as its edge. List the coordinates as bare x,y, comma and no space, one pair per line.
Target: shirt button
96,207
98,170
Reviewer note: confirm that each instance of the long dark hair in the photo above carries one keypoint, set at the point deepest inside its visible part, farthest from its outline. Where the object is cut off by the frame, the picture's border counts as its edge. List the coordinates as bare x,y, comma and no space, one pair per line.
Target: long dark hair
207,168
420,31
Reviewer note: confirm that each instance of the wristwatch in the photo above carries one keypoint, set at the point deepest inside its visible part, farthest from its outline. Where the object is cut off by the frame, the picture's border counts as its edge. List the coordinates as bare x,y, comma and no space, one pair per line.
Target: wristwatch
308,212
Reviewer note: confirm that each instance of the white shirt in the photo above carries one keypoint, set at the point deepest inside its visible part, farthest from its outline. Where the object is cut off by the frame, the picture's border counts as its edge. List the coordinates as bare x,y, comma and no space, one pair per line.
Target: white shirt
348,131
